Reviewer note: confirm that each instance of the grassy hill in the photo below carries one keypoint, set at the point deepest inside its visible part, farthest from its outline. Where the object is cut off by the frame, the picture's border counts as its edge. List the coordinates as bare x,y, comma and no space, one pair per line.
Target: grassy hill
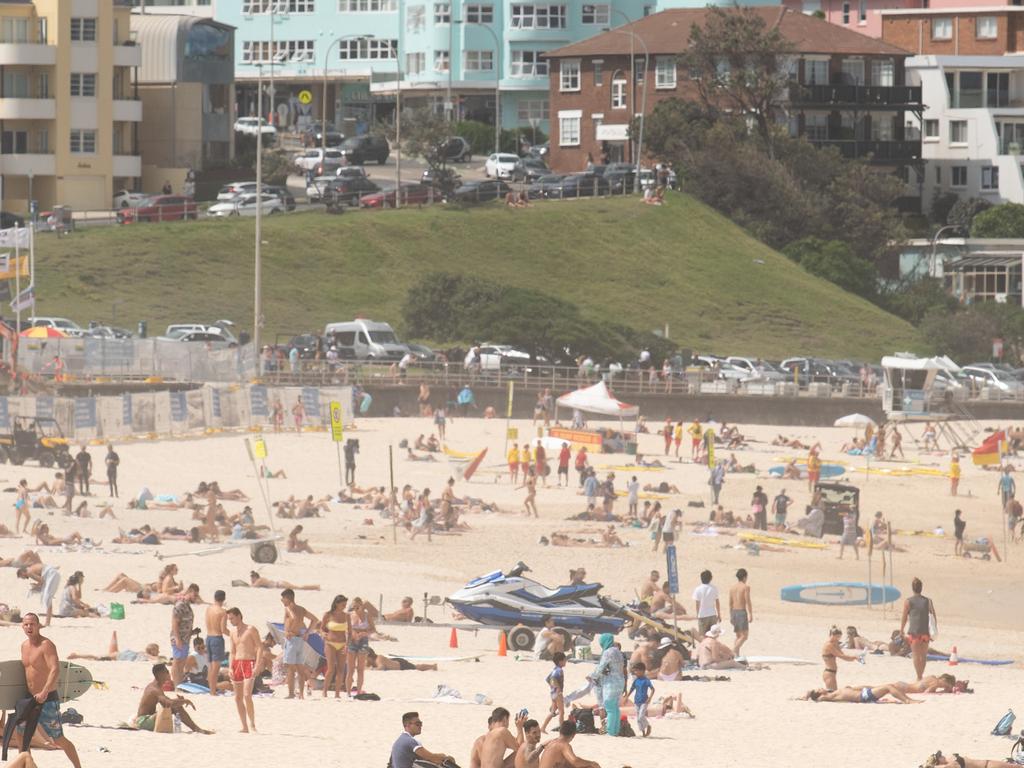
718,289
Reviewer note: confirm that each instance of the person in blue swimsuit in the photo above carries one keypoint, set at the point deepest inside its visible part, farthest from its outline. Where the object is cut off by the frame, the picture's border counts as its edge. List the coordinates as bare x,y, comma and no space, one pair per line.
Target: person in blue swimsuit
868,694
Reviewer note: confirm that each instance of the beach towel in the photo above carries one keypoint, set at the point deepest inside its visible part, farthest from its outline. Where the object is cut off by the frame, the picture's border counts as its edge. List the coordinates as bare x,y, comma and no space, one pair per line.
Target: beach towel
50,585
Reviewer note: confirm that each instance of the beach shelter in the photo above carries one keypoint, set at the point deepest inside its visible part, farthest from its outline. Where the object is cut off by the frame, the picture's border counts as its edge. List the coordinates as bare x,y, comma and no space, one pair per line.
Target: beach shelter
43,332
991,450
597,399
855,420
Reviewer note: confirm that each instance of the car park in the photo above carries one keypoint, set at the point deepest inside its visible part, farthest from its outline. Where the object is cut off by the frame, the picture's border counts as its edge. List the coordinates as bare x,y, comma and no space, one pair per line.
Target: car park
128,199
309,159
501,165
246,205
358,150
160,208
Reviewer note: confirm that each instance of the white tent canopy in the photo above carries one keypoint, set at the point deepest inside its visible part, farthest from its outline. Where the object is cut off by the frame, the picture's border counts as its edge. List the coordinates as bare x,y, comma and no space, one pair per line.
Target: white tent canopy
597,399
920,363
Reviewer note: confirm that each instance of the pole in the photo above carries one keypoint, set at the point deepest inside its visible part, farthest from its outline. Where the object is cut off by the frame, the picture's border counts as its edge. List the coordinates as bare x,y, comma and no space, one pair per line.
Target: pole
17,280
273,54
398,123
449,108
391,477
258,277
643,115
341,475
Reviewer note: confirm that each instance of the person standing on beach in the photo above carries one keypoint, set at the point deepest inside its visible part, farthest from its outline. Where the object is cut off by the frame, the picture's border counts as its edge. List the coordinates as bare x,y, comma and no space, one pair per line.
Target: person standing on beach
611,673
849,537
581,464
530,484
813,468
564,457
666,432
42,667
959,525
513,463
113,461
245,651
759,505
1014,513
954,474
540,460
716,480
298,413
350,450
295,631
633,496
216,629
182,620
830,652
1007,486
708,608
741,609
695,439
918,613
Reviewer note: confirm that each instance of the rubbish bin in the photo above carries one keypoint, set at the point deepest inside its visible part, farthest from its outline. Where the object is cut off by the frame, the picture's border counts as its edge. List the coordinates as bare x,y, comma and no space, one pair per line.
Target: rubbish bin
142,329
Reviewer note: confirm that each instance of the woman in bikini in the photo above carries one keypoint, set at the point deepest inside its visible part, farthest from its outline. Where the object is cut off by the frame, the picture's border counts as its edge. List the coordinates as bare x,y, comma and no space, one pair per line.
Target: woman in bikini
360,627
335,622
933,684
830,652
964,762
168,584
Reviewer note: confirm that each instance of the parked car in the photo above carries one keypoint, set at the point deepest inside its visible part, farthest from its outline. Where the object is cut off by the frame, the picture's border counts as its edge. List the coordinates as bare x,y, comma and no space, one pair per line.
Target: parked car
809,369
309,159
501,165
315,188
539,189
757,370
455,150
308,344
422,353
246,205
220,326
540,150
495,357
481,191
649,178
578,185
412,194
283,194
228,191
719,368
62,324
529,169
314,136
351,172
8,220
160,208
364,339
346,191
128,199
358,150
250,126
212,336
994,380
107,332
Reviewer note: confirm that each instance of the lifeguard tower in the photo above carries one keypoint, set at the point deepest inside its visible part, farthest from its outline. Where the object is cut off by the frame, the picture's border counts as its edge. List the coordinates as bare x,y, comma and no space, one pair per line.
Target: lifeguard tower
909,395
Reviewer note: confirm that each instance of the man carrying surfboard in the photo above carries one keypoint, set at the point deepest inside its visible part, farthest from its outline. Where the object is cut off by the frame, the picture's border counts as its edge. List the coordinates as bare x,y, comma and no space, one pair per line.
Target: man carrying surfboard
39,657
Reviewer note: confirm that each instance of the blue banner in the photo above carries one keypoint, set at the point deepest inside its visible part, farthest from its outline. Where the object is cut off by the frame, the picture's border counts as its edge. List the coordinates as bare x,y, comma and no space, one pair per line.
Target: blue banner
311,402
44,407
258,401
85,412
179,406
126,409
673,569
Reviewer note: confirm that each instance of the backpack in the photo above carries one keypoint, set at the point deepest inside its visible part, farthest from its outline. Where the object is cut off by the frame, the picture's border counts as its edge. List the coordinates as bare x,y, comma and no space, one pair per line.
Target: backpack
1005,724
585,721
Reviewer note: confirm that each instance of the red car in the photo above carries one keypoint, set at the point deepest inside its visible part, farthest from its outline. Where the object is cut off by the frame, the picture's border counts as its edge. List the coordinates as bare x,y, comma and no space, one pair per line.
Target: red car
160,208
412,194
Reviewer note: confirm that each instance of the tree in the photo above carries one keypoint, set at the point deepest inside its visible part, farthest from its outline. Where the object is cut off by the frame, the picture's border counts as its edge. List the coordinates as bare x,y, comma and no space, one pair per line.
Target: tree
742,67
963,212
1006,220
425,134
834,261
942,204
914,299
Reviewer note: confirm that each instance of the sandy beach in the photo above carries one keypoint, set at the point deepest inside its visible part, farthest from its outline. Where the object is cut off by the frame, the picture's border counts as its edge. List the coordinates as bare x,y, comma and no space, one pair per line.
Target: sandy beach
753,719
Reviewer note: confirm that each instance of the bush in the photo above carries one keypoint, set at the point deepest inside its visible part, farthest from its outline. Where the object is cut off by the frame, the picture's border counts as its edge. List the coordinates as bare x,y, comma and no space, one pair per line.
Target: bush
834,261
1005,220
963,211
275,167
479,135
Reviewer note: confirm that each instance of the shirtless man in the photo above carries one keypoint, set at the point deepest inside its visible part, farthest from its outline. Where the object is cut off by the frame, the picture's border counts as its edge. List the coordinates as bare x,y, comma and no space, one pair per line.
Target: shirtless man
386,664
216,628
403,614
866,695
245,652
964,762
649,587
489,750
741,609
528,754
146,718
714,654
295,631
558,753
255,580
663,606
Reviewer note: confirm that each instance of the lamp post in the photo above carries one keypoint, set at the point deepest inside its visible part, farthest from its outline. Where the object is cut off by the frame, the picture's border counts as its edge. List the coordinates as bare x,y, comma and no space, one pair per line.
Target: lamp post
257,274
327,55
935,242
643,98
497,82
398,123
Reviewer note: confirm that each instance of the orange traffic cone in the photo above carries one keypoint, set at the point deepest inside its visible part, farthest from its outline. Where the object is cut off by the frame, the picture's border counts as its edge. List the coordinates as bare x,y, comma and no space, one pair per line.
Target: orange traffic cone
502,644
453,641
953,659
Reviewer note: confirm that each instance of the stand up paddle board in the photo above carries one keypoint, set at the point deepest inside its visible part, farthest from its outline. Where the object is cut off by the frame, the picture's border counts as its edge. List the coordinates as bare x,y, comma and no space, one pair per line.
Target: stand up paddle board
474,465
72,681
433,659
839,593
987,662
827,471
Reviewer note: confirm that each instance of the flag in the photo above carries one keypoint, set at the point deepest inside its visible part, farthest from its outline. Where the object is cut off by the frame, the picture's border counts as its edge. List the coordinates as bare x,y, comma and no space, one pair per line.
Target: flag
14,237
24,300
8,263
991,450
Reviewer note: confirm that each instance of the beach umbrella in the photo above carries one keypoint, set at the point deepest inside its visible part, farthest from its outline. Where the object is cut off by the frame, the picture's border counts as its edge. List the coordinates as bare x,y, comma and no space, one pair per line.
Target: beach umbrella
43,332
855,420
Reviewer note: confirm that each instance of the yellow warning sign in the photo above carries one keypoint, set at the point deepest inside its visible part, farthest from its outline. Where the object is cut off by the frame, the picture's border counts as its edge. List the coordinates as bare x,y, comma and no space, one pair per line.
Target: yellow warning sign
337,422
259,448
305,97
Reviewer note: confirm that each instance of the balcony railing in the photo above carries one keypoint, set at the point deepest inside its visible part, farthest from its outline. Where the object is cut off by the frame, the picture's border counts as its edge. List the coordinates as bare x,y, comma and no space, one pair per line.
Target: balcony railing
880,151
865,96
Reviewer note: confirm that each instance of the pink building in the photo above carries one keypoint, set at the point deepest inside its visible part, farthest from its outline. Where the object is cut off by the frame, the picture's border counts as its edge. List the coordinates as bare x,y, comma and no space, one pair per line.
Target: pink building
864,16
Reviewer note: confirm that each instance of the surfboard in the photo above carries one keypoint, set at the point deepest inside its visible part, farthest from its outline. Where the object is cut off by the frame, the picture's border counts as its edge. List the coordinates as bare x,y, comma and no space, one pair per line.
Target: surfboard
189,687
72,681
474,465
780,541
839,593
775,660
988,662
433,659
827,470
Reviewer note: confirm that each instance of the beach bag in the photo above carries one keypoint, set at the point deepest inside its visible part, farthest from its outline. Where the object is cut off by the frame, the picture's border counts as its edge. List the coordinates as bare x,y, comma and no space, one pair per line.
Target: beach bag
1005,724
625,729
117,611
585,721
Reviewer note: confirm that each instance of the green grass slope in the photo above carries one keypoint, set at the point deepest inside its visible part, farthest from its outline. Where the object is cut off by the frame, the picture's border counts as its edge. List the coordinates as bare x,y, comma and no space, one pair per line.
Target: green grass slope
718,289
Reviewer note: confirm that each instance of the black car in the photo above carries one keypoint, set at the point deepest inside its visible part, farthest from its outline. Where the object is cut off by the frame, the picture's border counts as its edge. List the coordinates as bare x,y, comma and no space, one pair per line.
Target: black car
308,345
283,195
481,191
361,149
538,189
346,191
578,185
621,177
529,169
313,136
8,220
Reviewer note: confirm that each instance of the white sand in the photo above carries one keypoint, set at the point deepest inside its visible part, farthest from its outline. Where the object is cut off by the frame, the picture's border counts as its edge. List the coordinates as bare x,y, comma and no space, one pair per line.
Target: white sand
752,720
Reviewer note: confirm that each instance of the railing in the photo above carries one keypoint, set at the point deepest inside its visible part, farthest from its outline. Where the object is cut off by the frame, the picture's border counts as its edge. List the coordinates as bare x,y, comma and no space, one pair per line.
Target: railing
880,151
868,96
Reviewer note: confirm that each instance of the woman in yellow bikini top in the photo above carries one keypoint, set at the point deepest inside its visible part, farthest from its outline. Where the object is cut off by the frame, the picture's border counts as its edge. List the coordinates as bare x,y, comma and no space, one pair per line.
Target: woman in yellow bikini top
335,624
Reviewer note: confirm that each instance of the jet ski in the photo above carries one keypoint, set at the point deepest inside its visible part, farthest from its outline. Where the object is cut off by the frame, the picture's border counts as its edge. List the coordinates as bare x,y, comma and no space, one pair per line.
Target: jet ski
509,599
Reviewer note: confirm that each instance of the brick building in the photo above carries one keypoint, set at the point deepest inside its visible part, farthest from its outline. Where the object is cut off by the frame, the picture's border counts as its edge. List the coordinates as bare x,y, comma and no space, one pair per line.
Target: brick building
847,90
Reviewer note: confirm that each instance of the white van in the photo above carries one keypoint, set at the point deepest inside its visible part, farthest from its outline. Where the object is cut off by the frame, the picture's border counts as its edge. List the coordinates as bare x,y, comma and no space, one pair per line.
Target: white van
365,340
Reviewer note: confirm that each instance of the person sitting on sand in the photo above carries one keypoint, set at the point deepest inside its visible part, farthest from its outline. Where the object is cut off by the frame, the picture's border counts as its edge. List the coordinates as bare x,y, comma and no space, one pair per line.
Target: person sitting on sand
147,719
714,654
663,606
403,614
255,580
310,508
733,465
939,759
394,664
611,538
413,457
295,544
151,654
661,487
26,558
854,641
421,443
791,471
668,660
868,694
71,605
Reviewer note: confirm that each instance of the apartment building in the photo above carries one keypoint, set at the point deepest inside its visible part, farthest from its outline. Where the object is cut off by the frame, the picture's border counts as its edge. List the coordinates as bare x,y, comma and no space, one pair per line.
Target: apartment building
68,111
848,91
969,67
865,16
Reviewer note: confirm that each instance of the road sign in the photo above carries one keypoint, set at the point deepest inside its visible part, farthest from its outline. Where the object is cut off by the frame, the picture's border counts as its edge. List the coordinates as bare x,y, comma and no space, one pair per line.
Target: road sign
337,422
673,569
305,97
259,448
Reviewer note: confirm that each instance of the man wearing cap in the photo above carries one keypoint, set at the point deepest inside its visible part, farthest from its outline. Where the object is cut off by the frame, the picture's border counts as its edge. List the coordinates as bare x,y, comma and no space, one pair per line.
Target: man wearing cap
714,654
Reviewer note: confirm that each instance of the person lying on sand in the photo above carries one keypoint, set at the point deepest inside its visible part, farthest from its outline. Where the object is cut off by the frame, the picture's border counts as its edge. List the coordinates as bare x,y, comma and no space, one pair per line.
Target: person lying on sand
868,694
660,707
385,664
45,539
146,719
935,684
143,535
28,557
214,488
413,457
939,759
786,442
643,461
295,544
151,654
857,642
163,599
563,539
255,580
661,487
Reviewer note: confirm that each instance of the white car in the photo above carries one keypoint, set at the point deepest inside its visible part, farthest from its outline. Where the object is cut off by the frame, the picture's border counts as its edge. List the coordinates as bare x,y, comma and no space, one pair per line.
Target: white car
757,369
245,205
128,199
993,379
223,327
250,126
309,159
495,356
500,165
62,324
231,191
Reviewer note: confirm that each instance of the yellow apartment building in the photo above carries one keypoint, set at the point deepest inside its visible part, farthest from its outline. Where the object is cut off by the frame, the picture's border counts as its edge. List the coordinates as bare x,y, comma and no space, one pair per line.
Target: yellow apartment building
69,115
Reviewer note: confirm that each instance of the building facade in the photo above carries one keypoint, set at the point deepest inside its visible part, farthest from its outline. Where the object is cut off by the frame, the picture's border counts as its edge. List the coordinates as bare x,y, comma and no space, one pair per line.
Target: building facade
973,270
68,109
848,91
865,16
972,79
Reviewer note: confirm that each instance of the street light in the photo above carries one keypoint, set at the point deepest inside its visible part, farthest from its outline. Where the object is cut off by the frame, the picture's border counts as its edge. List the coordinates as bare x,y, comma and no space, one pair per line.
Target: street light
393,44
933,267
643,99
497,81
327,55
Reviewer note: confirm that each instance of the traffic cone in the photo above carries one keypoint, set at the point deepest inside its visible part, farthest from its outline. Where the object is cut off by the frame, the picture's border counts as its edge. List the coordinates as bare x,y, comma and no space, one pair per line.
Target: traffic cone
502,644
953,659
453,641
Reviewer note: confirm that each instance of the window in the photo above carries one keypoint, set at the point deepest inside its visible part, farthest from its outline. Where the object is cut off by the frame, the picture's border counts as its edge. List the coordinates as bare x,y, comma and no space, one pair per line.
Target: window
987,27
442,13
618,94
367,6
15,84
816,127
83,84
665,72
997,89
43,141
938,175
959,175
883,72
415,18
862,11
479,14
815,72
570,75
441,61
969,93
528,64
14,142
931,130
639,69
367,48
811,7
415,63
990,177
14,30
532,110
83,142
882,127
83,30
479,61
596,14
942,29
853,71
43,86
598,72
957,131
259,51
538,17
846,13
279,6
569,128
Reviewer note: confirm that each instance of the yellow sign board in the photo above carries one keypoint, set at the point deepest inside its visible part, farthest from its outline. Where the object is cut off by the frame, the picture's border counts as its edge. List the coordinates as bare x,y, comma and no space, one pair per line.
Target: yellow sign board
305,97
259,448
337,422
9,266
513,433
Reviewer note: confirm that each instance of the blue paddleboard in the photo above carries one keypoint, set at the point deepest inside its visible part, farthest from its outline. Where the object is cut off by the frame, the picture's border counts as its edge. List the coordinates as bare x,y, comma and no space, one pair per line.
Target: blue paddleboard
988,662
827,471
839,593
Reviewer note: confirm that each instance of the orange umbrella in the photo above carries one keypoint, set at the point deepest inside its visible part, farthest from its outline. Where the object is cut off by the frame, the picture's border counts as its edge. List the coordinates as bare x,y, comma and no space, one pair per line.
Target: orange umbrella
43,332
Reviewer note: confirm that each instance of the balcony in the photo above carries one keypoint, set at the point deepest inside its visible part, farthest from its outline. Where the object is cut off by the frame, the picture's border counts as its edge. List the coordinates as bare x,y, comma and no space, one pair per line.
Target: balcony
25,165
127,111
880,151
850,96
28,109
127,56
129,166
27,54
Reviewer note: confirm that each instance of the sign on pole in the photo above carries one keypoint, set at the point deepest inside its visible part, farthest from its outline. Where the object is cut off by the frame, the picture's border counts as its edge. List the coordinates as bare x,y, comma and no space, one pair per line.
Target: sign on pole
259,448
673,569
337,422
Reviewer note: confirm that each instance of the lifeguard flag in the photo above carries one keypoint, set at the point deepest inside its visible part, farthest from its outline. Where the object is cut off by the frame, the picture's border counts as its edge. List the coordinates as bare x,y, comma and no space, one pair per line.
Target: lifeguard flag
991,450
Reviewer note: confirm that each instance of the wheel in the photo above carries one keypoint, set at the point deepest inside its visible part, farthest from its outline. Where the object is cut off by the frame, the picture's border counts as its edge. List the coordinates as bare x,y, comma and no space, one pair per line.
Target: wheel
124,204
15,457
47,459
521,639
264,552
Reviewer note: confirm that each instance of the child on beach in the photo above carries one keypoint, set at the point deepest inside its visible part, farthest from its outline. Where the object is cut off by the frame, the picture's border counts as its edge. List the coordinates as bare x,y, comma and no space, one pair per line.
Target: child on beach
642,690
556,684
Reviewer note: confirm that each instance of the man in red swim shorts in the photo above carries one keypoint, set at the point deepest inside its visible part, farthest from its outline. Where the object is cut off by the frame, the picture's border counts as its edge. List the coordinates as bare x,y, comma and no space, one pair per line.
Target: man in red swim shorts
245,651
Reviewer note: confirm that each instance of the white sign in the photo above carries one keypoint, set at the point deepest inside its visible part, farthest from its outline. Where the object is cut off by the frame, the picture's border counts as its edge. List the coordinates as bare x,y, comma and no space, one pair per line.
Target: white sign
613,132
